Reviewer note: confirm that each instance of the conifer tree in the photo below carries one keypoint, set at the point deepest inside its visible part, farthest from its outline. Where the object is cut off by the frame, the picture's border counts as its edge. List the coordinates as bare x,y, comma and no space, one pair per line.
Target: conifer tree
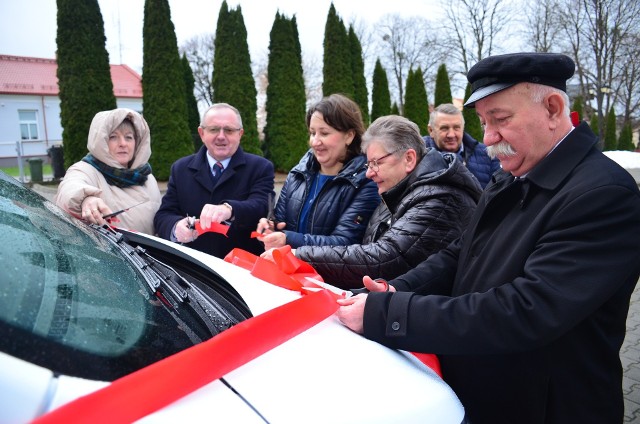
625,142
232,80
193,116
471,121
380,96
395,110
164,102
578,107
360,93
610,138
336,71
84,75
285,134
416,104
442,92
593,123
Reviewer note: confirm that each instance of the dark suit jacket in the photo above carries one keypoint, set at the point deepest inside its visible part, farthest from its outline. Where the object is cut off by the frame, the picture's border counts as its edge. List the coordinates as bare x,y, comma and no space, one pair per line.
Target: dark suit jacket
246,185
528,308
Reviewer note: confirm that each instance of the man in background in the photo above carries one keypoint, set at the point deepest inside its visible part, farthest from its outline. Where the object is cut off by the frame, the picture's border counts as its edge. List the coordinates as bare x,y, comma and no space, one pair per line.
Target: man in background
446,134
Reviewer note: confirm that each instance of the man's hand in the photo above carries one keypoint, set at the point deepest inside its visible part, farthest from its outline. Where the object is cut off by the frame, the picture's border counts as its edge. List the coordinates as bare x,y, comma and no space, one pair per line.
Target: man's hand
351,312
377,285
185,231
214,213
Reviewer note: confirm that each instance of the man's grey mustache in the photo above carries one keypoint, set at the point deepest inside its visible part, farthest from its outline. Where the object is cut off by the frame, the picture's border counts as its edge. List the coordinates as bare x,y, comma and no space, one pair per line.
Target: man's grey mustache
503,148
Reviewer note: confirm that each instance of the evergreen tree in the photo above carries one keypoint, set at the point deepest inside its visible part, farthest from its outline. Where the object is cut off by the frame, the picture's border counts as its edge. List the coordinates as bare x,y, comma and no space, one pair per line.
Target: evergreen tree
336,71
442,93
164,102
593,123
380,96
285,134
360,93
232,80
84,75
471,121
193,116
610,138
578,107
416,104
625,142
395,110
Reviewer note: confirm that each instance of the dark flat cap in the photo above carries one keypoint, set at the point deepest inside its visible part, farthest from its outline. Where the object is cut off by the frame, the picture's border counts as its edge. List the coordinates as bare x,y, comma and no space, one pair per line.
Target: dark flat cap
496,73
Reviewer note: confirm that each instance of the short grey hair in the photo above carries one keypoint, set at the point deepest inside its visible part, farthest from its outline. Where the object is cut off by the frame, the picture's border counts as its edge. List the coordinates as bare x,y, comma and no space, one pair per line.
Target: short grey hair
445,109
538,92
395,133
217,106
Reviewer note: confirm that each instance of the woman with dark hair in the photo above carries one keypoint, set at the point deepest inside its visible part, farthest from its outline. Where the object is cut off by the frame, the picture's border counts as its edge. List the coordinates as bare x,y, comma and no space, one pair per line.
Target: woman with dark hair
326,198
115,174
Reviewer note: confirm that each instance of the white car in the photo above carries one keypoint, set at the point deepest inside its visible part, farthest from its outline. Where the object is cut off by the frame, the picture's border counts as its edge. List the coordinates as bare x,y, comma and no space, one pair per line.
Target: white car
82,306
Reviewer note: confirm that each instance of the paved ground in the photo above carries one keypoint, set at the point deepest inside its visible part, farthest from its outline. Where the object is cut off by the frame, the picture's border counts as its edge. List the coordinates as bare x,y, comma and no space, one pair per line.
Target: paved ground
630,357
629,354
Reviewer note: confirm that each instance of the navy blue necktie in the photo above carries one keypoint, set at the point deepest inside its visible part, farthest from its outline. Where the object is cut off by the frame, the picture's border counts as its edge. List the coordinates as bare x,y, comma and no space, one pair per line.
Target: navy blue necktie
216,172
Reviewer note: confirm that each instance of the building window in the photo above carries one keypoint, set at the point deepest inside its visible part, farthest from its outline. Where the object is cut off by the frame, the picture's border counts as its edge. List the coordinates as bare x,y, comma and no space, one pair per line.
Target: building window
28,124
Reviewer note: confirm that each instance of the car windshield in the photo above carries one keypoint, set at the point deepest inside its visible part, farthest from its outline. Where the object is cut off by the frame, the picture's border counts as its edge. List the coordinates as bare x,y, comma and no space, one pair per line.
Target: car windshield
65,286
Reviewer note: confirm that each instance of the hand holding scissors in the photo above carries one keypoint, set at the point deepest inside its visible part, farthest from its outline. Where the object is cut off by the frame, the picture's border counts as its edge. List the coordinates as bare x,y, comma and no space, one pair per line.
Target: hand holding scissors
270,230
270,223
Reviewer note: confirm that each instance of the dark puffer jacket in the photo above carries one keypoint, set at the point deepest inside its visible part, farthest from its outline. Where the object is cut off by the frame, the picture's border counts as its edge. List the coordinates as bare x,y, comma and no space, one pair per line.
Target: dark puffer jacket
422,214
475,157
343,208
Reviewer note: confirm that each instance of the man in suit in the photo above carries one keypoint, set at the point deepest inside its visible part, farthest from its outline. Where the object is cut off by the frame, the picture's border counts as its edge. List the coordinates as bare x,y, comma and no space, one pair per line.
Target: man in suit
527,309
219,183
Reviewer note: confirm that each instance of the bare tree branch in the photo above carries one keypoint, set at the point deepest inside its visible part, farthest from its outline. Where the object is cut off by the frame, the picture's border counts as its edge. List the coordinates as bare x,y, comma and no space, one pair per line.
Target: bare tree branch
199,51
403,44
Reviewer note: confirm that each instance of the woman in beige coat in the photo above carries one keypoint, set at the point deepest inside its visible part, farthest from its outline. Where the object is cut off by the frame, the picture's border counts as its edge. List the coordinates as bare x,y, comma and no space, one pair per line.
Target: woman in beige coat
115,174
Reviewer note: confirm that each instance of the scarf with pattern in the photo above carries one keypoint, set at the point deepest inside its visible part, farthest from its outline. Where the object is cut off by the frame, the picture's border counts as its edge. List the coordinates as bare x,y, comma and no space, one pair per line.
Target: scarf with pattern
120,177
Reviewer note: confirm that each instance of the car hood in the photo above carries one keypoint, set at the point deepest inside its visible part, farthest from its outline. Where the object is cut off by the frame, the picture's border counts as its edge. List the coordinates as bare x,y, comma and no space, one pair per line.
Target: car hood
325,374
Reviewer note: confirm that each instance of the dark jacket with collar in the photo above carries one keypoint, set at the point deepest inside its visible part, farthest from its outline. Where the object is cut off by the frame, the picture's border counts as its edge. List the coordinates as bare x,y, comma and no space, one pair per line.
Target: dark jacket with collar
527,310
245,184
342,210
474,156
420,215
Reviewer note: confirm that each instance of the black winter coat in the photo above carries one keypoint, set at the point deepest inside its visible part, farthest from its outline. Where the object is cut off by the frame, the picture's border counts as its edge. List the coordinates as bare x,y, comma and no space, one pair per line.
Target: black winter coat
527,310
422,214
340,213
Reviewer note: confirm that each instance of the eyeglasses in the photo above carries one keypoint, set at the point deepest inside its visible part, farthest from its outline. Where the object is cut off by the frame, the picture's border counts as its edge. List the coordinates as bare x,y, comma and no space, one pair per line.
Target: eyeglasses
373,163
216,130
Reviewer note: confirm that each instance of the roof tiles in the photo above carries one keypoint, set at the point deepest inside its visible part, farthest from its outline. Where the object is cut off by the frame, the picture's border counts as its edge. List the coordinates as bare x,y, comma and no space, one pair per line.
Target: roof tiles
37,76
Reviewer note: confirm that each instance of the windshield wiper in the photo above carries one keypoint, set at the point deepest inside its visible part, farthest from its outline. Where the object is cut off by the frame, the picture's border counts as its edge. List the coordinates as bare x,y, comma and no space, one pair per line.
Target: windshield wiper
170,286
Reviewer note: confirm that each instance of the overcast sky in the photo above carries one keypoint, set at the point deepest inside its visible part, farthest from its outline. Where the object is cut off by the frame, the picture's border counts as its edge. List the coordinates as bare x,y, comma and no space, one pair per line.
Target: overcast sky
28,27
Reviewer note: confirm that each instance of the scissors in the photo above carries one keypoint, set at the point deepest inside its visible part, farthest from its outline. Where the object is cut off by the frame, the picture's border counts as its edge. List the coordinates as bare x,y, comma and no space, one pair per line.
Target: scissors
113,214
271,216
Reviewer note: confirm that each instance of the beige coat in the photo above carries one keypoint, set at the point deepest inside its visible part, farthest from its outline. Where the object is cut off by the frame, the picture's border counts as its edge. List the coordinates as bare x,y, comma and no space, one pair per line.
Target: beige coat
83,180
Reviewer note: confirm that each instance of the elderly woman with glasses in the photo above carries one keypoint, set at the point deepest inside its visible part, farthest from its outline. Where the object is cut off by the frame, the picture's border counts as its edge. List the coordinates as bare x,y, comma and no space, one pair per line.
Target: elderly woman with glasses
427,200
326,198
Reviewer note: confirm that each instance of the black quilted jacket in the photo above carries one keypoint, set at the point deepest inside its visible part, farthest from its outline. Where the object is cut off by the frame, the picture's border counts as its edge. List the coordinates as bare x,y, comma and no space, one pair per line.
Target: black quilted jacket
422,214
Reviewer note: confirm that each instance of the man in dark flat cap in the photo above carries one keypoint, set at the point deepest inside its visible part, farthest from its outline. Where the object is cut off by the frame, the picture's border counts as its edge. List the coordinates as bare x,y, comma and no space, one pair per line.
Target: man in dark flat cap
527,309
